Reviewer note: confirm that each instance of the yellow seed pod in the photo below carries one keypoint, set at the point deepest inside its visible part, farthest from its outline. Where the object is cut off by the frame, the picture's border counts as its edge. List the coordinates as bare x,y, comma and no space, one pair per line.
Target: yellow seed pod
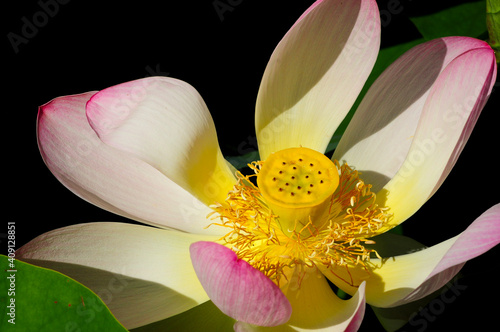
295,182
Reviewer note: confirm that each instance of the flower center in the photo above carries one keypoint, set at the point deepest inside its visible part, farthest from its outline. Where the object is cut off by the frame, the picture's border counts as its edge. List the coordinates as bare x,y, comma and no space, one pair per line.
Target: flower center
305,211
296,184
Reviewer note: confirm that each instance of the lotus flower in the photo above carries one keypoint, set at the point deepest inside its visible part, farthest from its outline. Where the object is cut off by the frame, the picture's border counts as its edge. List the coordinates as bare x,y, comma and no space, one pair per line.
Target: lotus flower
262,246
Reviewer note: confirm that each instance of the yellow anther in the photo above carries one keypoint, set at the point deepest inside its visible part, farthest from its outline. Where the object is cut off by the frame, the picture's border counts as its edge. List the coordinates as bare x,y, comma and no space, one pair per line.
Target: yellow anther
274,230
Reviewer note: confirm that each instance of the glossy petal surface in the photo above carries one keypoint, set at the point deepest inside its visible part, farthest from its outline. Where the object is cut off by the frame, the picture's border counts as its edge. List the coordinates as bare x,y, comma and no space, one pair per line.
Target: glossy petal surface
416,118
164,122
315,74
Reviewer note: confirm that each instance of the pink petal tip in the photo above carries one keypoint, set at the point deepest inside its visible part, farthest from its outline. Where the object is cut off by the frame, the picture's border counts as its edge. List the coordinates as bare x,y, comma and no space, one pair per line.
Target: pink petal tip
236,288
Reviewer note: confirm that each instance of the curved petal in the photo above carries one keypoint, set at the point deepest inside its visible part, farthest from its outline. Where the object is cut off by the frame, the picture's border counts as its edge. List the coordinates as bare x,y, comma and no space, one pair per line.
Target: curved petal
316,307
315,74
380,133
414,121
448,118
143,274
402,279
236,288
112,179
166,123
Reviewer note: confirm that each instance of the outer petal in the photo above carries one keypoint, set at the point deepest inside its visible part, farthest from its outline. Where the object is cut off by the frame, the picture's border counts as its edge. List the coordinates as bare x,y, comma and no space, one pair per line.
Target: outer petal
402,279
315,74
166,123
380,134
109,178
143,274
236,288
414,121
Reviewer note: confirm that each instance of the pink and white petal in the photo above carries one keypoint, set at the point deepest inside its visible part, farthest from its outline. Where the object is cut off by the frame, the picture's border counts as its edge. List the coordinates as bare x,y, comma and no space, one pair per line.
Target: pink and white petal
402,279
409,119
143,274
315,74
448,118
109,178
379,135
236,288
164,122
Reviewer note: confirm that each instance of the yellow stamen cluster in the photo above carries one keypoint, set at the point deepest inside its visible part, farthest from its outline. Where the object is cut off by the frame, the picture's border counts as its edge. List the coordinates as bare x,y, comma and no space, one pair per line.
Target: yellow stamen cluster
335,236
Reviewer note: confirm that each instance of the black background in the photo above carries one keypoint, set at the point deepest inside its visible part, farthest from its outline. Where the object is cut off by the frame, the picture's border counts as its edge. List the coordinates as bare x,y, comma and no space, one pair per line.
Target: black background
91,45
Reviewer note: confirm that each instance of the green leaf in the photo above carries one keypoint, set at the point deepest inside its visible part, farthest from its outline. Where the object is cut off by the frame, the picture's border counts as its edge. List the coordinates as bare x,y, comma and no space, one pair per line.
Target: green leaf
468,19
493,24
38,299
204,317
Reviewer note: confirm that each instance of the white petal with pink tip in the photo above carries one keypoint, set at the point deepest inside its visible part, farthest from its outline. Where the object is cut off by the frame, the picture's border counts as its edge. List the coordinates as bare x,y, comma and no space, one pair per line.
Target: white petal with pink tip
406,134
236,288
112,179
164,122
